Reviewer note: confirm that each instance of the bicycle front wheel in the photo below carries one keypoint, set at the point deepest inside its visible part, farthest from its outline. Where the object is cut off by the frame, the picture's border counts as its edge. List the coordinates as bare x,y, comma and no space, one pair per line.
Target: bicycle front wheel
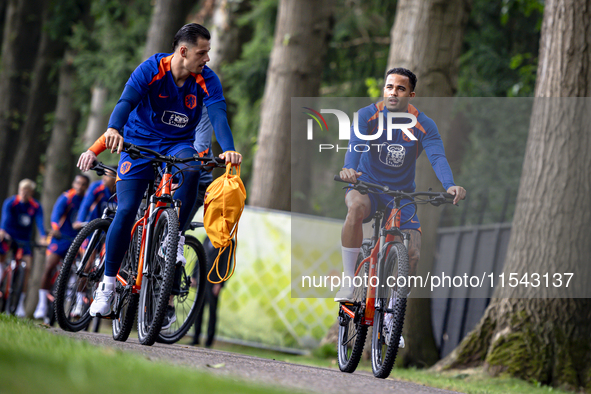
389,314
188,291
158,276
79,276
352,331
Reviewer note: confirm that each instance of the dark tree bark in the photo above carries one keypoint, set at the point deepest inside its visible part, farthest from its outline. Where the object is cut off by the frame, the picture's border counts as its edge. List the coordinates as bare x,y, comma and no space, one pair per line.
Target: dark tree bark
227,37
547,340
301,39
41,101
19,45
168,16
426,38
59,170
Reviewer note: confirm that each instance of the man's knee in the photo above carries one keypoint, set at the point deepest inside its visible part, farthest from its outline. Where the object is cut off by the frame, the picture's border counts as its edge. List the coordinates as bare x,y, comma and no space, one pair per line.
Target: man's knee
358,207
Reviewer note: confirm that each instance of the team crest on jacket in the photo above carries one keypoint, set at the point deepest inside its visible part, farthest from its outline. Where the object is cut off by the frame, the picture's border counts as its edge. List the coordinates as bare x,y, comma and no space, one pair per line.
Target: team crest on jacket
190,101
392,155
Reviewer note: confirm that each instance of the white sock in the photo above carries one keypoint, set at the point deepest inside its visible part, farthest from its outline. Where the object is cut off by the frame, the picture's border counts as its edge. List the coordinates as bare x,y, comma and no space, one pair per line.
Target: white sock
21,300
109,280
43,297
349,261
80,296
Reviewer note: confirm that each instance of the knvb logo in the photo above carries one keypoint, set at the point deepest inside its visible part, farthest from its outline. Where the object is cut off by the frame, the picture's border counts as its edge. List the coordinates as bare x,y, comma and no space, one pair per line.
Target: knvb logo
345,124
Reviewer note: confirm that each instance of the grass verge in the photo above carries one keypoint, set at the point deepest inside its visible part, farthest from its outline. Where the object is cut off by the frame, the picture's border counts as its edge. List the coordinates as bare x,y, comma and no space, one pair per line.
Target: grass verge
35,361
472,381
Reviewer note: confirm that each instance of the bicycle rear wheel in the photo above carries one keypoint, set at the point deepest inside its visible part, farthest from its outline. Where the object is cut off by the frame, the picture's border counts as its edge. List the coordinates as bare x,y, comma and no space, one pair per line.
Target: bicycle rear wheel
79,276
389,315
4,289
126,301
191,292
157,279
352,332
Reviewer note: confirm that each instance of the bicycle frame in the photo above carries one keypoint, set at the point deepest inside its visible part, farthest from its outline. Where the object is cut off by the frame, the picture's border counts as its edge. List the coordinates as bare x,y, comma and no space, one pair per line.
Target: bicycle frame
382,236
160,199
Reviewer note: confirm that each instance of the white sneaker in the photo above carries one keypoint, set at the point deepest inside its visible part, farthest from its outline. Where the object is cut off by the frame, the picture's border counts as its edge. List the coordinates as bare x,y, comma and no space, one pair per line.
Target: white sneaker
180,254
104,298
387,331
345,294
20,309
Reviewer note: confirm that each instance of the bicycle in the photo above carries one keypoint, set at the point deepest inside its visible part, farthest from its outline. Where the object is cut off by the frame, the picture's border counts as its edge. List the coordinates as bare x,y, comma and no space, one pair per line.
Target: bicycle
384,258
148,257
13,277
82,268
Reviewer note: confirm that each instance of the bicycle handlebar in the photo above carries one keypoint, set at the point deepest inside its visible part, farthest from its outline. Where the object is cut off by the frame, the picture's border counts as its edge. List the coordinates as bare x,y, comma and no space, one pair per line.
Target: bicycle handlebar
135,151
101,168
365,186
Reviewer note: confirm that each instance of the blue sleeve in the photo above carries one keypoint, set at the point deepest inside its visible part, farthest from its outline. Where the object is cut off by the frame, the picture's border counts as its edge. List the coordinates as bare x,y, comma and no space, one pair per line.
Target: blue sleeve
130,98
39,221
203,133
58,209
214,91
219,121
352,156
436,154
5,213
85,205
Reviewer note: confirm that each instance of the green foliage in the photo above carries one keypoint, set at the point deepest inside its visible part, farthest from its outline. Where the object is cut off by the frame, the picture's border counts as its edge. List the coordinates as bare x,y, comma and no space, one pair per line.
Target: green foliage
244,80
501,41
110,48
358,51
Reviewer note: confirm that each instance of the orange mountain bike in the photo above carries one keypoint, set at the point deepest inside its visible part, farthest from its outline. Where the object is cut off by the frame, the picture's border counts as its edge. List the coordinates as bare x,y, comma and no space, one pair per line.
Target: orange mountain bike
381,284
145,278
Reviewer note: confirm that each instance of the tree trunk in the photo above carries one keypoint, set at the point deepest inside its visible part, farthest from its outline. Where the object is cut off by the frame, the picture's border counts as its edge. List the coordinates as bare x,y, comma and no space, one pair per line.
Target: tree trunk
547,340
426,38
98,119
295,68
168,16
227,37
20,42
60,161
41,101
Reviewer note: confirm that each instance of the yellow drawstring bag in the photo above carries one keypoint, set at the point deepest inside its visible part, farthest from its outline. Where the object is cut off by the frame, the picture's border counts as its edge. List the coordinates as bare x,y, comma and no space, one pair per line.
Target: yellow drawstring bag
224,203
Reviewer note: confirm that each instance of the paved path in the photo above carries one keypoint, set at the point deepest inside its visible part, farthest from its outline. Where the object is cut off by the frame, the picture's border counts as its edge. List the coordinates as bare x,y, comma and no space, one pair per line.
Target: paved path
263,371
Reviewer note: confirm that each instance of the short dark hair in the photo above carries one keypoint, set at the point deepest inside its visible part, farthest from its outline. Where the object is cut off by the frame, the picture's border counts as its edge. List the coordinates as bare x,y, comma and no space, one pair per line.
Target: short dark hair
85,177
407,73
190,33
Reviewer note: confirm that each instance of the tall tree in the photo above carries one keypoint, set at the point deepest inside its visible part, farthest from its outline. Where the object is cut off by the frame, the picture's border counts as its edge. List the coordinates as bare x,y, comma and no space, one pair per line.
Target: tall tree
19,45
168,16
60,164
547,339
426,38
227,35
301,39
57,21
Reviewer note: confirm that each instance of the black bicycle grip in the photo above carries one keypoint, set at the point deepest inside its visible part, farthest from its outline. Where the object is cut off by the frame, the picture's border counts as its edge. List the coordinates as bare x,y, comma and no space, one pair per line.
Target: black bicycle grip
338,179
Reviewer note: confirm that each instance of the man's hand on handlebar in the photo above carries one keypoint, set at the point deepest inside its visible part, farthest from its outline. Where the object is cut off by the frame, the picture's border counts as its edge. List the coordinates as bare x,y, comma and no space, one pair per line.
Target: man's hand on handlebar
349,175
113,140
459,192
85,161
232,157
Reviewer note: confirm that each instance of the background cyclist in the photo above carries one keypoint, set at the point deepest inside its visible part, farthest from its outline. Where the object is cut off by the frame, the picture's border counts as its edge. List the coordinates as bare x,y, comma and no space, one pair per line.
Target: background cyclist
18,214
159,108
63,233
96,199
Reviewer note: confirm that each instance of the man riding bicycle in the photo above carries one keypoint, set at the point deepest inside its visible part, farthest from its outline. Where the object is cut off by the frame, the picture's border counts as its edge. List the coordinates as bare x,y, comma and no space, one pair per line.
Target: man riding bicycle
390,163
18,214
159,109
